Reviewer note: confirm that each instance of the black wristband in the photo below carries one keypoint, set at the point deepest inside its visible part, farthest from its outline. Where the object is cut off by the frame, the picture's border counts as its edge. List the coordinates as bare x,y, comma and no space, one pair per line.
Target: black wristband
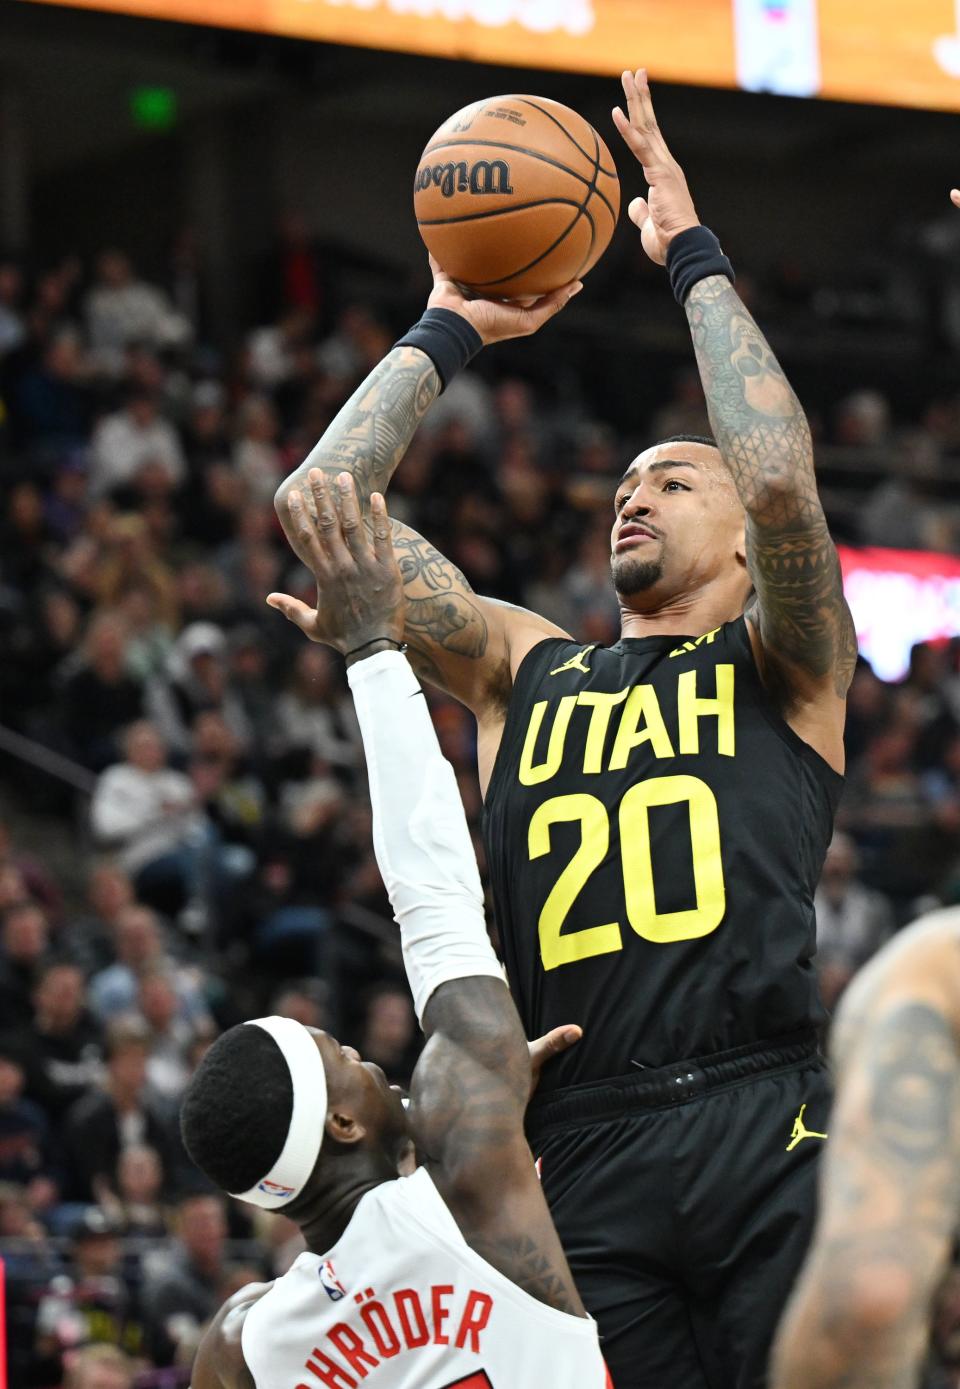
400,645
448,340
692,256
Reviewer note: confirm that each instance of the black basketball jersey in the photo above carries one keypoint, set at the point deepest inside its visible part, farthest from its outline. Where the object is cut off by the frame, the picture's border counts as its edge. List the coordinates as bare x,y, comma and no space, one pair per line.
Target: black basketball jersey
655,832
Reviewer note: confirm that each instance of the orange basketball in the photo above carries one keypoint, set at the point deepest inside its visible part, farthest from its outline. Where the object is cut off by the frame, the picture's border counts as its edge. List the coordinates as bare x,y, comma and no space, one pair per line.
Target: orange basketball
516,195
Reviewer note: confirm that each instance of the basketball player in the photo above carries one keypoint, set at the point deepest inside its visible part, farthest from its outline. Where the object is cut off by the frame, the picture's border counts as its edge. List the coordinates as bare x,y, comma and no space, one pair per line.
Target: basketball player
453,1276
657,814
890,1194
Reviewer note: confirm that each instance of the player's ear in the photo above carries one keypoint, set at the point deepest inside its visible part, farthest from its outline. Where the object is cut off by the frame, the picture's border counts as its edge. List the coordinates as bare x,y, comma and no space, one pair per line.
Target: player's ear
344,1127
740,545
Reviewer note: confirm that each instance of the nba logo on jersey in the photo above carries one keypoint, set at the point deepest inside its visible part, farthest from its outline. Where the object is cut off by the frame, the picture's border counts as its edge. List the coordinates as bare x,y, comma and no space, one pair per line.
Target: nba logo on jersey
274,1189
331,1283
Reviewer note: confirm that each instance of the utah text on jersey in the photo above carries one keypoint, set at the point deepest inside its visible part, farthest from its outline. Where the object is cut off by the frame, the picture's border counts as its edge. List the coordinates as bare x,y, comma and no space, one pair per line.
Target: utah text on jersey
636,714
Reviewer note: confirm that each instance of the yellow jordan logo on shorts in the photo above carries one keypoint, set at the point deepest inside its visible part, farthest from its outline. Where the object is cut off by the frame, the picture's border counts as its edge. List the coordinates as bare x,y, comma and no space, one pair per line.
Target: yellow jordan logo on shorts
800,1131
576,662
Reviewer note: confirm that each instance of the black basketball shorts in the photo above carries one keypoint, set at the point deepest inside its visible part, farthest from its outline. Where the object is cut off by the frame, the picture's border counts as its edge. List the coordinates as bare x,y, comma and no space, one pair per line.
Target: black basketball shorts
684,1199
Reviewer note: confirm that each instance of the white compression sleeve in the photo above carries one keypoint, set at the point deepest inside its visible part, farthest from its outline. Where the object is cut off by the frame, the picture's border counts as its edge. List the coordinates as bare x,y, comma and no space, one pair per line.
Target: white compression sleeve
420,832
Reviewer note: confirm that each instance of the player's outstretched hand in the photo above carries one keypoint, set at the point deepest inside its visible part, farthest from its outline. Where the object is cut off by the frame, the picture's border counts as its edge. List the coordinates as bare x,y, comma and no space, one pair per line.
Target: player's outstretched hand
359,588
955,196
551,1044
668,207
496,320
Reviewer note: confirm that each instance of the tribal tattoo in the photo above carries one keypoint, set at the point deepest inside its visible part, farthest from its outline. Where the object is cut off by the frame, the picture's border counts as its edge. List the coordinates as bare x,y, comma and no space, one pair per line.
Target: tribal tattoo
764,439
891,1191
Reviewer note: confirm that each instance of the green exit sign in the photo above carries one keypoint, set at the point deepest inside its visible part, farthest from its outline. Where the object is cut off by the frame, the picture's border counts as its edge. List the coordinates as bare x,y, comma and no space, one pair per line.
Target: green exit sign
154,108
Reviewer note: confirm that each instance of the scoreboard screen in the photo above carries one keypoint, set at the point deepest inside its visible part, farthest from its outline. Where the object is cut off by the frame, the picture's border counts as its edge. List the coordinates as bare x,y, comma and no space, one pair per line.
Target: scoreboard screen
899,598
855,50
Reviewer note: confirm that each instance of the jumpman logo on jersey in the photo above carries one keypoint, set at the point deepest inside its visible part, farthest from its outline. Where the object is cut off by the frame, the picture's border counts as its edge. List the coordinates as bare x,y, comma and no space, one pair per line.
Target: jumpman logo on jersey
800,1131
576,662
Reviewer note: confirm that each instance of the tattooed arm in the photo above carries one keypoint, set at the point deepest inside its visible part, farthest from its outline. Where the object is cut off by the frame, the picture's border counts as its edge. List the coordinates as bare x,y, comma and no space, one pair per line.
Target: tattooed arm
806,630
459,641
890,1193
807,644
468,1099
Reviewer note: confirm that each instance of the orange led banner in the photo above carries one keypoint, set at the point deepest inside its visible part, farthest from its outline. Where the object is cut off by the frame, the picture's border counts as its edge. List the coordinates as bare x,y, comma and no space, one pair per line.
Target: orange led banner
858,50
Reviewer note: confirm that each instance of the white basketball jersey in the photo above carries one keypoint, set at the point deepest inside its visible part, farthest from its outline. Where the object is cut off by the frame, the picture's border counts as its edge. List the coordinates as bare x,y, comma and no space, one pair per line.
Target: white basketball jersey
403,1302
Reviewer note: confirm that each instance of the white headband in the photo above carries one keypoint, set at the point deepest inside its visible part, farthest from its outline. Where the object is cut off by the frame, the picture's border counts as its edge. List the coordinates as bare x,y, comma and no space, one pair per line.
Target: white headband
291,1171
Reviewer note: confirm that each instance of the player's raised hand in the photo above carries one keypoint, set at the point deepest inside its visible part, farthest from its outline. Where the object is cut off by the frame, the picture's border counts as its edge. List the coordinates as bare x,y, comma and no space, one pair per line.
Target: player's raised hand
668,207
955,196
359,589
496,320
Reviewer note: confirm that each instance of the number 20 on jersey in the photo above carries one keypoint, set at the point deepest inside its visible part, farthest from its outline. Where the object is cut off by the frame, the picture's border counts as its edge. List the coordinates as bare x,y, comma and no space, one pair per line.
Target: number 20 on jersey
590,813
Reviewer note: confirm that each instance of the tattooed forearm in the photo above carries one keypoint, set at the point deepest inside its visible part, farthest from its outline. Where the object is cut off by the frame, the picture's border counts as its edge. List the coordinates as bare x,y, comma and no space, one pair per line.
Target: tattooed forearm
891,1192
373,431
757,420
531,1268
468,1096
762,433
368,439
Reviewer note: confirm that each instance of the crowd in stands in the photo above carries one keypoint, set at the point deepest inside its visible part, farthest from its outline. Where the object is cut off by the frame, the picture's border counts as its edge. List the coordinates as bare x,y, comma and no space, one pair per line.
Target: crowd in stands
219,860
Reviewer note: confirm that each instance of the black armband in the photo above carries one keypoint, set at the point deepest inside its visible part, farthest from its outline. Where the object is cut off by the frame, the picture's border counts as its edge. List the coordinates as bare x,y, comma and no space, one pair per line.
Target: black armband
692,256
448,340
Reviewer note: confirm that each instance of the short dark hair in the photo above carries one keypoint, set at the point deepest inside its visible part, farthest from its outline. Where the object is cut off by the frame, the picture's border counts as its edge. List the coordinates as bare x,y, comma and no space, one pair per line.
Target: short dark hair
237,1108
688,439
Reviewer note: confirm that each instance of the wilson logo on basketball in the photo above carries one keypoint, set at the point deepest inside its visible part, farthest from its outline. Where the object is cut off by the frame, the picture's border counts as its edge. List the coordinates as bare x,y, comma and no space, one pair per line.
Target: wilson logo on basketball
483,176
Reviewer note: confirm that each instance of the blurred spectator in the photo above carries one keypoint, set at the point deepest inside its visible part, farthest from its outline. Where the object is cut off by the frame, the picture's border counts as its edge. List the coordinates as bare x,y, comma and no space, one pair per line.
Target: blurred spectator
255,456
924,700
147,813
92,1303
39,883
26,1151
100,697
170,1035
884,810
139,946
62,1048
52,405
195,682
390,1036
853,921
26,539
105,1121
685,412
12,327
121,310
304,1001
136,1206
315,713
131,440
99,1367
182,1287
24,938
92,933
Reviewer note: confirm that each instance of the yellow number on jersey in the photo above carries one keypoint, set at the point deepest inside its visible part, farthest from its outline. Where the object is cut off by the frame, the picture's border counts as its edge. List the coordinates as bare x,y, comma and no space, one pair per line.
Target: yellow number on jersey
557,948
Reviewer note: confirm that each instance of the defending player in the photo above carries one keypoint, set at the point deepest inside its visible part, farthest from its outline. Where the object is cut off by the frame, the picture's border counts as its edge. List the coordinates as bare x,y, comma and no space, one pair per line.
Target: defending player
656,816
890,1195
452,1278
